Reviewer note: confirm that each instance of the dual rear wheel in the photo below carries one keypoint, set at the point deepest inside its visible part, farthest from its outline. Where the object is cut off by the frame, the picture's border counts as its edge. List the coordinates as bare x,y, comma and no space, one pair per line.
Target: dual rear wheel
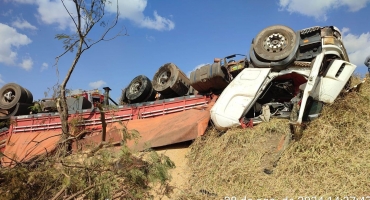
12,93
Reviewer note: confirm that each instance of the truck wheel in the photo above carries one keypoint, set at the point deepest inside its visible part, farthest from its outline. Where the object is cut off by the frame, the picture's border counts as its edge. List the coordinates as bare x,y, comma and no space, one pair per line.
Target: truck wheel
11,94
29,96
139,89
275,43
48,105
123,99
170,81
151,95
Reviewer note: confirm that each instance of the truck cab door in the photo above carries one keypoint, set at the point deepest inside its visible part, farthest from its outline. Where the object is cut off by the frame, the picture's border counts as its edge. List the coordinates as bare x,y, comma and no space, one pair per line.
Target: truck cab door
239,96
333,81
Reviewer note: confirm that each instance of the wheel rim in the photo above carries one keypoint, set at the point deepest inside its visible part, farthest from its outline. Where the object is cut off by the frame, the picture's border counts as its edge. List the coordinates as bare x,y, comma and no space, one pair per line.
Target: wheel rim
135,87
164,77
274,43
8,96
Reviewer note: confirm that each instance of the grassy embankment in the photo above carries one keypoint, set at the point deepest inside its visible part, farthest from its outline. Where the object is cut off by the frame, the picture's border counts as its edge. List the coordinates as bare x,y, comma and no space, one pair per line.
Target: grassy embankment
330,159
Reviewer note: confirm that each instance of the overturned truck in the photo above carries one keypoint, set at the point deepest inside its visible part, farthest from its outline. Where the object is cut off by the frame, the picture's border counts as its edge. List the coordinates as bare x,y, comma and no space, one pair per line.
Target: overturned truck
289,74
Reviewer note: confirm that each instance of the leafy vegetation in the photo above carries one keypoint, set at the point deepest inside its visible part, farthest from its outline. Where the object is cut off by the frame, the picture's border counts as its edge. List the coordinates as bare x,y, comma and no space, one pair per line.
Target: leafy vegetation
102,174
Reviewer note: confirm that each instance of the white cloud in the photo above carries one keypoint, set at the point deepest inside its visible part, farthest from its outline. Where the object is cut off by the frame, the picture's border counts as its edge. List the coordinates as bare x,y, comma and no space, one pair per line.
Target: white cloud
320,8
9,42
133,10
25,1
344,30
53,12
44,66
7,13
26,64
1,80
97,84
357,46
195,68
150,38
159,23
23,24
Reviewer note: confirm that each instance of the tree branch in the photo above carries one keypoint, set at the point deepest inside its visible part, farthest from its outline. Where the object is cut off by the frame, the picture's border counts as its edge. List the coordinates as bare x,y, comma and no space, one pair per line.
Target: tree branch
83,167
83,191
102,38
16,162
59,193
69,13
66,51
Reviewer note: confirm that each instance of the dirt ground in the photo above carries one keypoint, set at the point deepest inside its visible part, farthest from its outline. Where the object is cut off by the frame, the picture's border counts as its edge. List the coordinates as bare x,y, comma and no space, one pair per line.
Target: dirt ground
178,153
180,175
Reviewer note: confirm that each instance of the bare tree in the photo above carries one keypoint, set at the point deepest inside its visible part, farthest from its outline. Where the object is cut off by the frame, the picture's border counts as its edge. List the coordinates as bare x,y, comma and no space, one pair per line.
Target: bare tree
85,16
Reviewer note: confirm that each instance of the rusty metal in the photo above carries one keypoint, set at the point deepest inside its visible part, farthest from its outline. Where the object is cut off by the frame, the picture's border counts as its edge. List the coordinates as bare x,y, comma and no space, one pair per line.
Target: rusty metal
327,31
302,64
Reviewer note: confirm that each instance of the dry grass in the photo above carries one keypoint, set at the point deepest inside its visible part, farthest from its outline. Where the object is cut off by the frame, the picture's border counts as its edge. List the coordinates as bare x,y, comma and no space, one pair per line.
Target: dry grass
330,159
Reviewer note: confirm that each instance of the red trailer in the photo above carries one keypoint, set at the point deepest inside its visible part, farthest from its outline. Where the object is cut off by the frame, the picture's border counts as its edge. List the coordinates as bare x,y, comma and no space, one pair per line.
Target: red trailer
159,123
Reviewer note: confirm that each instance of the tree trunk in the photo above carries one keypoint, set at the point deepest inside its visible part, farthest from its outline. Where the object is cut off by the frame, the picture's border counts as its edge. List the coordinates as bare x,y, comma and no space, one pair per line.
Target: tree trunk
85,17
64,114
63,107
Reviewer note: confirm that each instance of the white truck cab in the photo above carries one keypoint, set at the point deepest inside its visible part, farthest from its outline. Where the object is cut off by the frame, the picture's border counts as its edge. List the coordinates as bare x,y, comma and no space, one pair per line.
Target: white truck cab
288,69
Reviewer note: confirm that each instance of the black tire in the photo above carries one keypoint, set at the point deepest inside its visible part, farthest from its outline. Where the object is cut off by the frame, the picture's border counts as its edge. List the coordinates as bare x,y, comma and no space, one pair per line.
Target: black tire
276,66
18,109
48,105
15,94
151,96
170,81
139,89
367,62
29,96
123,99
275,43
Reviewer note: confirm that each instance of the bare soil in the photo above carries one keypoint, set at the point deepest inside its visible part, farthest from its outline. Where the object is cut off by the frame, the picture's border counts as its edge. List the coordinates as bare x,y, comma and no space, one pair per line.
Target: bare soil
180,175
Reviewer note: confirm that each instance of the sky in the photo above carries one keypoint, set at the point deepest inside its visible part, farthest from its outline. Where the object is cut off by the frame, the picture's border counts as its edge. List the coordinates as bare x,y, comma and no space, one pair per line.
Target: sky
187,33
